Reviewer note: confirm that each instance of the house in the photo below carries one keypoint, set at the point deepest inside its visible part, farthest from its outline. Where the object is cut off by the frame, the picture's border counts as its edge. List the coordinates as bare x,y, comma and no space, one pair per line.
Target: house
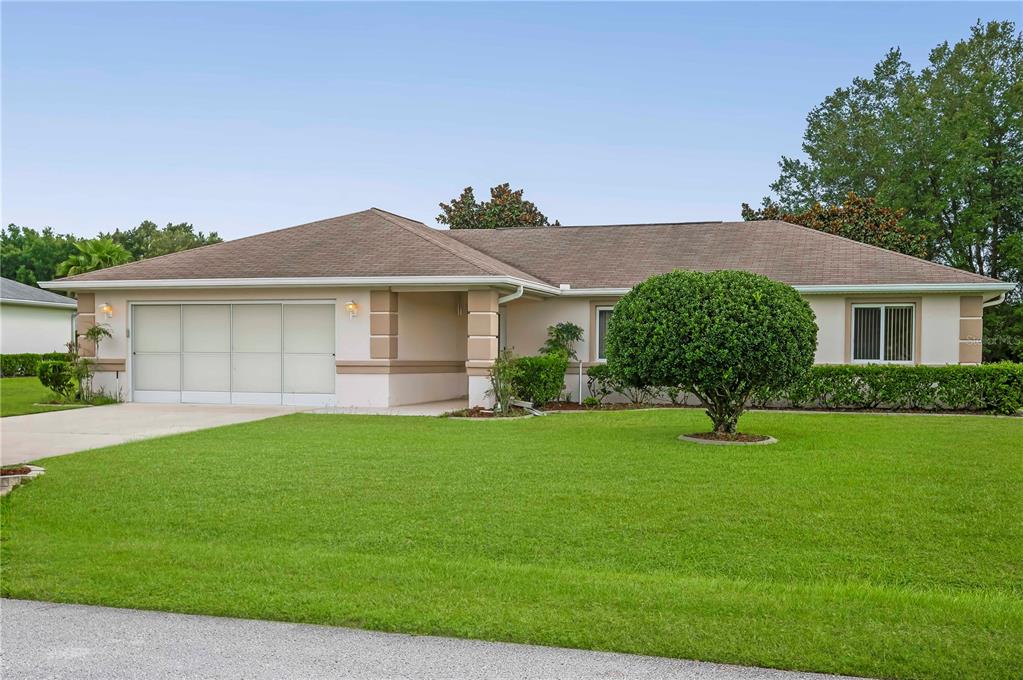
374,309
34,321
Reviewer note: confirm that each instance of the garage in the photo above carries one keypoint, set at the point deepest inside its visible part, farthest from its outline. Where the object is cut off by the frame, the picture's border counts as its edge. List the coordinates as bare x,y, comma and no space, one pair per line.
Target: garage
233,353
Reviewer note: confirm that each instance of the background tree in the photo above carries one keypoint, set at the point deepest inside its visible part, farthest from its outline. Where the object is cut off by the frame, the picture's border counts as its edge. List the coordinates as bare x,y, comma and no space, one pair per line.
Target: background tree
30,256
149,240
944,144
93,254
857,218
721,336
505,209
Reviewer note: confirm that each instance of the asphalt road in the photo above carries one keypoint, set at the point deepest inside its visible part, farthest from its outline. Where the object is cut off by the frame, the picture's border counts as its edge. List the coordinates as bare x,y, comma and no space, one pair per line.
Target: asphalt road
45,640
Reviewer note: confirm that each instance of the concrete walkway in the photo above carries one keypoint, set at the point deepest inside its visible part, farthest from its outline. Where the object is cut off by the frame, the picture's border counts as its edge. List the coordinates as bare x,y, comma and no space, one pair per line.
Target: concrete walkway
39,435
44,640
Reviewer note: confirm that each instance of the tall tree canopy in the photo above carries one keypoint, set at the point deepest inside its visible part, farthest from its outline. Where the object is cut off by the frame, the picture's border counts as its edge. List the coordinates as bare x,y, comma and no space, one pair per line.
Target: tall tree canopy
857,218
30,256
506,208
945,144
149,240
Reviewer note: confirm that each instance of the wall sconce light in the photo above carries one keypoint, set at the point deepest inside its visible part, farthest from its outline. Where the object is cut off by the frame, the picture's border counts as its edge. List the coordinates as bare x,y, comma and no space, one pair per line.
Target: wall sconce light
107,309
353,309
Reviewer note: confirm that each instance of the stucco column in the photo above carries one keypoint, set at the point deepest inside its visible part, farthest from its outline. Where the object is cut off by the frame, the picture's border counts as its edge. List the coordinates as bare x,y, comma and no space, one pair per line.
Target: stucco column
383,324
481,349
84,320
971,329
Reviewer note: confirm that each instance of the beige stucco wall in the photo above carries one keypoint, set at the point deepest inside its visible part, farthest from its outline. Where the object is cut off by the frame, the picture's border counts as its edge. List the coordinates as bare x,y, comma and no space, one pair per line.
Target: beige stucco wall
35,330
527,322
432,326
938,318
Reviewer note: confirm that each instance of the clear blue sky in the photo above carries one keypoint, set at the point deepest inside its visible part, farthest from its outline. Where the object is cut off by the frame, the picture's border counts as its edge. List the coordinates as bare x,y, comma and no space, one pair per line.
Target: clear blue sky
242,117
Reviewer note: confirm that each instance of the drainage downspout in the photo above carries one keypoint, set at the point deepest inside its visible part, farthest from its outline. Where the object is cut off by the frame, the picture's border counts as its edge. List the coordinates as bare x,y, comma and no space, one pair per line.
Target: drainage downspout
513,296
995,301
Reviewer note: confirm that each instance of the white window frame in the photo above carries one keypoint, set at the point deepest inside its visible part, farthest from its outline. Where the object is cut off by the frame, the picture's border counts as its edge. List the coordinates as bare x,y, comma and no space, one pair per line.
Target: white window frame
596,330
883,306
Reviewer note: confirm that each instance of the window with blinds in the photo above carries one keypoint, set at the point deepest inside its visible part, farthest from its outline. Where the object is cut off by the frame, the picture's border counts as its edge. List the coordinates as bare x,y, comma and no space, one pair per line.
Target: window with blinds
883,333
603,316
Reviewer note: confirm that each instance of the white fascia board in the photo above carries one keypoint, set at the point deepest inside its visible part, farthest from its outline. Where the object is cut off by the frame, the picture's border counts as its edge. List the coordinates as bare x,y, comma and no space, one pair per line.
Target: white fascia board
510,281
305,282
909,288
70,306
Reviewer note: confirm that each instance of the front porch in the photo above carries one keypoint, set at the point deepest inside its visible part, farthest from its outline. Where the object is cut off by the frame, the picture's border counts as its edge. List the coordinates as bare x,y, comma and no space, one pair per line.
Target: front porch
425,347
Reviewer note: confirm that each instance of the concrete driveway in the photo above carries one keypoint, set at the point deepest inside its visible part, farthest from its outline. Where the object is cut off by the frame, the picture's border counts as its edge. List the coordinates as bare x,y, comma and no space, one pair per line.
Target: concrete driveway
45,640
39,435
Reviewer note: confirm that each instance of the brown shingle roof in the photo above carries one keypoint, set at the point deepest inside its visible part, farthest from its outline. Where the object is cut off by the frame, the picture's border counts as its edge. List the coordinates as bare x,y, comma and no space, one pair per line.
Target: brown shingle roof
368,243
376,243
621,256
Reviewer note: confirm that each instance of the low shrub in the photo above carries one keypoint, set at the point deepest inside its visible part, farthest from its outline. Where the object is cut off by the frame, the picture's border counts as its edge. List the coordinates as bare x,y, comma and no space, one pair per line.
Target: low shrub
23,365
599,382
59,376
502,387
539,379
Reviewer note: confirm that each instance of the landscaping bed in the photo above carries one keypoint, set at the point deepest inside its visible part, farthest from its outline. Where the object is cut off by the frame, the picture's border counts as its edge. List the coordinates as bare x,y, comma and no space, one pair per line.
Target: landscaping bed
858,544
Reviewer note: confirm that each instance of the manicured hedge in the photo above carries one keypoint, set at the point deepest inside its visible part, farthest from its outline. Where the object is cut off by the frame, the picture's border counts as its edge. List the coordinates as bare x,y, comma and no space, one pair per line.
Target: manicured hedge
20,365
995,388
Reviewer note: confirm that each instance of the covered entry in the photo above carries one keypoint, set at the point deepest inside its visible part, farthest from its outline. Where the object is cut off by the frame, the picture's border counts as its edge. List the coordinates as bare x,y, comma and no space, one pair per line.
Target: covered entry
233,352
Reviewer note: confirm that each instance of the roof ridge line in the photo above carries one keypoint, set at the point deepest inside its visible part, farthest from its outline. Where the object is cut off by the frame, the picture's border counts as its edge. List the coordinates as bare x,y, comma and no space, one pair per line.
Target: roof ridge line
911,258
434,237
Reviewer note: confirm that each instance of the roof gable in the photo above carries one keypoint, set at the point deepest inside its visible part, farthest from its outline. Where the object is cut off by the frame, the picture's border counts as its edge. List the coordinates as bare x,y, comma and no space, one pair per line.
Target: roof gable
377,244
371,243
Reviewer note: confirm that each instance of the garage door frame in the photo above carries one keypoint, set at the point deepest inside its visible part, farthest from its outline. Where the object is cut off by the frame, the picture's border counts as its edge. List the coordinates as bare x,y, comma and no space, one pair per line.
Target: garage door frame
230,396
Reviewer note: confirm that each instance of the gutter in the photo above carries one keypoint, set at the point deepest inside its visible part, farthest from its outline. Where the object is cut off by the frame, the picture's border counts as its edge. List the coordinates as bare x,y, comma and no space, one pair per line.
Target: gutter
305,282
39,303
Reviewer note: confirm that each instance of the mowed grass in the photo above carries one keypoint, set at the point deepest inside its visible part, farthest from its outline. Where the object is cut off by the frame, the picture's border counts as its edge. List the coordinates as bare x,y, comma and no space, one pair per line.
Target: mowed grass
884,546
20,396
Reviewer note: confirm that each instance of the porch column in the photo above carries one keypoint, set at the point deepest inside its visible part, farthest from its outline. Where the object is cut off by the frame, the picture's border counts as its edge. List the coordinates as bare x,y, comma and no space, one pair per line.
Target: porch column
482,344
383,324
971,329
84,320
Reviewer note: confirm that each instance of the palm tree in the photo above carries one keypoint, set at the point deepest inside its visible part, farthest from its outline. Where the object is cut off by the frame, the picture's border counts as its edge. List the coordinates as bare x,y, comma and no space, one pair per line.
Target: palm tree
93,254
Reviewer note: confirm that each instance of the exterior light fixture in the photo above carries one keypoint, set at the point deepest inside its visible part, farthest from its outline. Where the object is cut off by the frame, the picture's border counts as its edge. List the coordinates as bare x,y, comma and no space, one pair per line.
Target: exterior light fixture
353,309
107,309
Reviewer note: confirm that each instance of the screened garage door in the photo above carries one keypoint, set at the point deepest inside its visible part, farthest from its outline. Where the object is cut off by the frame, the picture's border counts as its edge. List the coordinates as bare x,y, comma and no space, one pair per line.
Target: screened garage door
233,353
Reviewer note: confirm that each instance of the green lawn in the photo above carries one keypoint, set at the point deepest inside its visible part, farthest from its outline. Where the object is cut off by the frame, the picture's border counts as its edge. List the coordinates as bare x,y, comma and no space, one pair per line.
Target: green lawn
869,545
19,396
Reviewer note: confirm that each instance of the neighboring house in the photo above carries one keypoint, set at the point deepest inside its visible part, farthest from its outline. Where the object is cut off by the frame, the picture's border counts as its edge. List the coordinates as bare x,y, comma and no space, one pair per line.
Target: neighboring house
33,320
373,309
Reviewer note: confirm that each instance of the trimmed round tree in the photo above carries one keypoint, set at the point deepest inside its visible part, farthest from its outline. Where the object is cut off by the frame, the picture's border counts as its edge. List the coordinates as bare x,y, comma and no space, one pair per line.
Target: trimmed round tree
721,335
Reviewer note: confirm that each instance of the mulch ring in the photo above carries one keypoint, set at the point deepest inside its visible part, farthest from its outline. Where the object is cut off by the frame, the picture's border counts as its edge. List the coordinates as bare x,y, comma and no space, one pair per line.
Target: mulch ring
739,438
480,412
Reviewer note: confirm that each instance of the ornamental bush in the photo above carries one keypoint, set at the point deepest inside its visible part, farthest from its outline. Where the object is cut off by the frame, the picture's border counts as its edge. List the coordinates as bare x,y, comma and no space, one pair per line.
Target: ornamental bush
59,376
540,379
721,335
